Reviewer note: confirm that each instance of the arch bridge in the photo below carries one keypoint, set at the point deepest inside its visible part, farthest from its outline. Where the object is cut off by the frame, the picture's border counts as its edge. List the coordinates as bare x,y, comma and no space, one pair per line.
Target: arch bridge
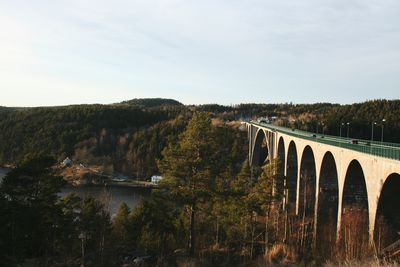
327,177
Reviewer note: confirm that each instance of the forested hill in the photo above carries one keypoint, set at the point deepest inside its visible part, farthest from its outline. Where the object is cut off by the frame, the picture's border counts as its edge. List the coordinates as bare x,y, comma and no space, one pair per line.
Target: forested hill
152,102
360,116
104,135
128,137
314,117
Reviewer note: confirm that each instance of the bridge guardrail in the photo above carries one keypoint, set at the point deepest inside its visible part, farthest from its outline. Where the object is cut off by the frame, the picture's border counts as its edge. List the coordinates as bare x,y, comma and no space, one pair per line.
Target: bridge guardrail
386,150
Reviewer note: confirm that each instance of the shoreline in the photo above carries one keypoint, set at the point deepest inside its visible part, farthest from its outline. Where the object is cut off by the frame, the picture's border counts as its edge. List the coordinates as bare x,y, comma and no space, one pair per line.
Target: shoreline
143,185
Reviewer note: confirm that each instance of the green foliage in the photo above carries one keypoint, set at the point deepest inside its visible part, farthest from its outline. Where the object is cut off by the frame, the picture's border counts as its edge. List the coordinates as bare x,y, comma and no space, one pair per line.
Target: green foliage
128,137
144,147
152,102
268,188
91,133
362,115
29,194
37,225
152,227
95,228
309,117
120,221
207,198
187,167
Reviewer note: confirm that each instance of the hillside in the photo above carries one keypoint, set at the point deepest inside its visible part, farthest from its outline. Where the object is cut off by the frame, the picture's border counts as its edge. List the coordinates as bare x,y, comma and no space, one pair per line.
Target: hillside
152,102
128,137
94,134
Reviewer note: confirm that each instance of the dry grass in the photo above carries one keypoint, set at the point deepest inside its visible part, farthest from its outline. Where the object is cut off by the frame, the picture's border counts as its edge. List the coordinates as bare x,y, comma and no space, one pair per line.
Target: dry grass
187,263
361,263
281,254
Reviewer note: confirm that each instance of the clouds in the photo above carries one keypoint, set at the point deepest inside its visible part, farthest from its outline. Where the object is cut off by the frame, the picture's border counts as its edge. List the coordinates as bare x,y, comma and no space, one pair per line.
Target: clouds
200,51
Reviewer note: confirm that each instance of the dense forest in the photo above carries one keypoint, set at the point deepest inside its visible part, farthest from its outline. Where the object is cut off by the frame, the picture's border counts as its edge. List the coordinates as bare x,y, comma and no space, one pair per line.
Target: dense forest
109,135
210,209
41,229
128,137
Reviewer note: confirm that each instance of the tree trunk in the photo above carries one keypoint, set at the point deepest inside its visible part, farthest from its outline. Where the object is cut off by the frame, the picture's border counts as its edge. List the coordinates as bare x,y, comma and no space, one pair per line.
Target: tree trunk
303,230
192,230
266,233
217,233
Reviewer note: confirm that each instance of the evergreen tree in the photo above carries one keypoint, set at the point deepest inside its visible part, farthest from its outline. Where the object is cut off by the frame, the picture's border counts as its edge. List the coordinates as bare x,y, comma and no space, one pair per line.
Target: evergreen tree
266,193
189,168
95,229
120,224
32,217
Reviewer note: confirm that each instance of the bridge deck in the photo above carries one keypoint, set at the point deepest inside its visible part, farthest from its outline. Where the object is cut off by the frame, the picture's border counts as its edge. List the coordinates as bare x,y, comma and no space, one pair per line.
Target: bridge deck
380,149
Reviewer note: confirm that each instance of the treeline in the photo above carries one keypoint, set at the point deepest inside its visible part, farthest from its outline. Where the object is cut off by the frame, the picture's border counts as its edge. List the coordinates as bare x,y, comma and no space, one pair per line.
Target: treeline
209,212
40,229
128,137
323,117
362,115
89,133
328,118
152,102
210,209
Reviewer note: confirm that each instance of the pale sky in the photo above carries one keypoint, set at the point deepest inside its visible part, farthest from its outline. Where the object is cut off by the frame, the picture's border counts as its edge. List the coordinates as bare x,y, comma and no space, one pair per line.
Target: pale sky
59,52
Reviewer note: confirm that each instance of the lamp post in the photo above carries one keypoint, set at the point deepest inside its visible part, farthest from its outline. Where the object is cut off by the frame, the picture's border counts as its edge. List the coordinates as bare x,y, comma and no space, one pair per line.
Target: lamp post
323,130
82,237
340,132
383,121
372,131
348,128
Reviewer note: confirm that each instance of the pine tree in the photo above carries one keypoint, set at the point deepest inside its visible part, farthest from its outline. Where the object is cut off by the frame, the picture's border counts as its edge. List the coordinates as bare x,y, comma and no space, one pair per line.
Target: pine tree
267,192
120,223
32,216
189,168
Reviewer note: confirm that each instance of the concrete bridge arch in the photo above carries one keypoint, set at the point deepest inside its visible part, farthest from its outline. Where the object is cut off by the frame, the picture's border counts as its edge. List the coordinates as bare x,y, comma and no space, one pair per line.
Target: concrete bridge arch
261,149
376,171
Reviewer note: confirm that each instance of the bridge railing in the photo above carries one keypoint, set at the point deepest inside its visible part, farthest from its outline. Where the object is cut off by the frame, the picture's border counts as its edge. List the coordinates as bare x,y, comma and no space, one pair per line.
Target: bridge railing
381,149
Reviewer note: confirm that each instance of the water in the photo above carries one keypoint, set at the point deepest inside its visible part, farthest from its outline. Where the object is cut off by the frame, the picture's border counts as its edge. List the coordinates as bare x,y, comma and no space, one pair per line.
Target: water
3,172
117,194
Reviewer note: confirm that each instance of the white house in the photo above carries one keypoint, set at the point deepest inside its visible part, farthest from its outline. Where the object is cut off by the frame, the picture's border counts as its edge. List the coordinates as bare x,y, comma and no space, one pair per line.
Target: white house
155,179
67,162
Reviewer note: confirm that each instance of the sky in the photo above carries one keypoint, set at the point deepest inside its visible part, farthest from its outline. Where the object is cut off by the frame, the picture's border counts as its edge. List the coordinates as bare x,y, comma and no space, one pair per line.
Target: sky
59,52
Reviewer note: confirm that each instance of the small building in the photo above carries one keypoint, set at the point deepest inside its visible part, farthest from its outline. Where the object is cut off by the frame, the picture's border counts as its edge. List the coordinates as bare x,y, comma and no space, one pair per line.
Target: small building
118,177
67,162
155,179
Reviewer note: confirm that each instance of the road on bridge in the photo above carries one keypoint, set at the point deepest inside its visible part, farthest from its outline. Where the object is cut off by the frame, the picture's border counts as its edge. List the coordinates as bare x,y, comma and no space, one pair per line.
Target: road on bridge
383,149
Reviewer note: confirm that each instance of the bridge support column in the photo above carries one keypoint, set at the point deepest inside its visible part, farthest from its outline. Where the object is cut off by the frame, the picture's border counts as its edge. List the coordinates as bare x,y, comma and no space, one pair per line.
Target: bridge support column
249,135
298,188
318,161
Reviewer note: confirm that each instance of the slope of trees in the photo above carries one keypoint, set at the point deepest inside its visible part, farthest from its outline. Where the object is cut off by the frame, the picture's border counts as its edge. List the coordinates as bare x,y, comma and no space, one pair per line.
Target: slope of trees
39,228
207,210
210,209
103,130
128,137
152,102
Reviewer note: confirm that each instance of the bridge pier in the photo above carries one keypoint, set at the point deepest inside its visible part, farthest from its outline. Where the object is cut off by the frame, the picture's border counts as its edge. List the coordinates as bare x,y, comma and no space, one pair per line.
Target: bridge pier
376,169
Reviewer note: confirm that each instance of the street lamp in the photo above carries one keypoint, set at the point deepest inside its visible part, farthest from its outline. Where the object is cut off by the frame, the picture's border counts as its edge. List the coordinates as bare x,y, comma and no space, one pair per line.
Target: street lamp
323,130
340,132
82,237
348,127
383,121
372,131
